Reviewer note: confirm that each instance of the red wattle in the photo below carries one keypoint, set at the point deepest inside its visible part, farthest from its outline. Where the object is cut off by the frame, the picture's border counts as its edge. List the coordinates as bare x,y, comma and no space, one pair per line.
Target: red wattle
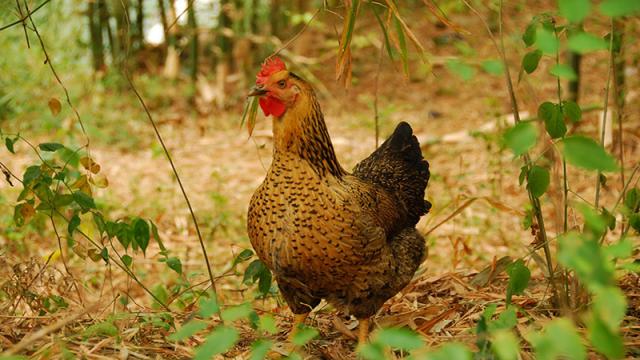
272,106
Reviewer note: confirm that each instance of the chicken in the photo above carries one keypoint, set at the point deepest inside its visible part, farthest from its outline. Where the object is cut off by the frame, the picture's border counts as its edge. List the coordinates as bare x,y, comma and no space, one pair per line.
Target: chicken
325,233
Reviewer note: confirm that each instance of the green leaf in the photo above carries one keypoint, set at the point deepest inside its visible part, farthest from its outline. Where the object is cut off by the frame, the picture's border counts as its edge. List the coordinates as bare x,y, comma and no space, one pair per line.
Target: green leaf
50,147
450,351
585,256
387,43
571,110
529,35
583,43
609,219
237,312
32,173
8,142
208,306
219,341
83,200
563,71
260,349
264,282
127,260
74,222
610,305
593,221
507,320
175,264
574,10
616,8
494,67
372,351
587,154
188,330
253,272
559,339
160,292
105,328
505,345
464,71
634,222
156,236
546,41
304,335
531,60
519,276
244,255
538,180
399,338
521,137
141,233
554,122
632,200
402,44
606,341
267,324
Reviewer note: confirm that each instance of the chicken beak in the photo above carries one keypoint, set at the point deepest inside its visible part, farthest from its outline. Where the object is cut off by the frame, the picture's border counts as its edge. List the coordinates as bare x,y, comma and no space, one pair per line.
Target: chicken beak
258,90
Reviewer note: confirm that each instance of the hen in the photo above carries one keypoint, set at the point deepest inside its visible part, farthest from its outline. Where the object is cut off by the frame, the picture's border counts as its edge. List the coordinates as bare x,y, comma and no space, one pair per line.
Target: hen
325,233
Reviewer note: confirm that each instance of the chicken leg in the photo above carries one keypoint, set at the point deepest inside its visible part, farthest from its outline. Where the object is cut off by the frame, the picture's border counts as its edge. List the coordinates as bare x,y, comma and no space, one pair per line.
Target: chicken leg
363,331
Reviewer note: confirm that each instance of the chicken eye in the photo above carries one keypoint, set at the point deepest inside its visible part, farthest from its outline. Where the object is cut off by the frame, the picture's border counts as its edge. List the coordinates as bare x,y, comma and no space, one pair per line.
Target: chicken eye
282,84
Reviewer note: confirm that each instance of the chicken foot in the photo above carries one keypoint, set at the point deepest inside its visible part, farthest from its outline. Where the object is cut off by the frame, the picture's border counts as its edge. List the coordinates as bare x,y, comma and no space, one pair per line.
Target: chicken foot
363,331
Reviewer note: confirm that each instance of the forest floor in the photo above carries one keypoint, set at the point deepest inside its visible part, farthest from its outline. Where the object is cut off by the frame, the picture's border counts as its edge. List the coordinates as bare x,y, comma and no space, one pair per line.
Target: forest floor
475,223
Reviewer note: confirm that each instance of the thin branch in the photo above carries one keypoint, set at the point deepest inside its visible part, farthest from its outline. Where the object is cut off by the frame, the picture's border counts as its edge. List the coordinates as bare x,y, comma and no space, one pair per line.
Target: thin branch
186,9
24,24
290,41
22,20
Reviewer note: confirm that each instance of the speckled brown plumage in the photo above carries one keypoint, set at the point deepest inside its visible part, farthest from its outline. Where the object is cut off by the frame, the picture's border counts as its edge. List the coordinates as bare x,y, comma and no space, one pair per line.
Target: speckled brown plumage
326,233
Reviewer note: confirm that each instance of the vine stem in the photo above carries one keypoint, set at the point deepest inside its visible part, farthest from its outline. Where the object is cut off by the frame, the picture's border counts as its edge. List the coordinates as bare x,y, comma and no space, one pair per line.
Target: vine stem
182,189
535,202
55,74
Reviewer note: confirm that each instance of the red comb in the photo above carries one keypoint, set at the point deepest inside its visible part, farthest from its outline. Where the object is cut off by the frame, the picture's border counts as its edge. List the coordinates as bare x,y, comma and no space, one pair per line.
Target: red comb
270,66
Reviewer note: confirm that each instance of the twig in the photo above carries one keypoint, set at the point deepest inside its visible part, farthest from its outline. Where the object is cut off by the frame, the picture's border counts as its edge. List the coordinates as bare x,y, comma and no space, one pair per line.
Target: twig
294,37
22,20
35,336
535,202
64,261
127,76
24,24
186,9
175,172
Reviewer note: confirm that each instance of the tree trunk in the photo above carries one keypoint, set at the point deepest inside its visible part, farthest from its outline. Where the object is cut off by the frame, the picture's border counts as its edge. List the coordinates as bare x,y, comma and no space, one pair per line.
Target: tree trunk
224,44
123,39
193,44
105,27
172,61
139,34
165,25
97,46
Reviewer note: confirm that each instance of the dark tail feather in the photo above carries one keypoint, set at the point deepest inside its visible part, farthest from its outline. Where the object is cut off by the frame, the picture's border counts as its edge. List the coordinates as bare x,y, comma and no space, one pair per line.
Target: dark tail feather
398,166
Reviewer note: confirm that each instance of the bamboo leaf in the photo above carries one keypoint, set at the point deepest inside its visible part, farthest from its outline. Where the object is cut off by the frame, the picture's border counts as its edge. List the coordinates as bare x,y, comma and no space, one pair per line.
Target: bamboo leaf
402,43
387,43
